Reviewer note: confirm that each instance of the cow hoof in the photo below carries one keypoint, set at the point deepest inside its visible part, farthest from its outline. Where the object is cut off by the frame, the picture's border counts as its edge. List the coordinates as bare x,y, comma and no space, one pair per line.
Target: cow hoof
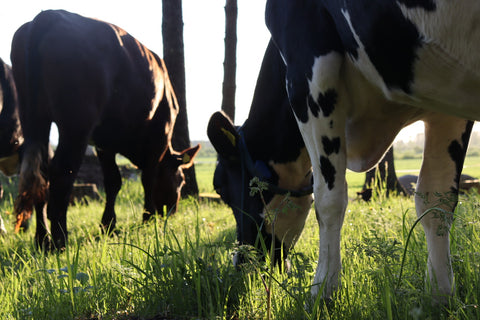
314,304
44,244
57,244
109,230
147,217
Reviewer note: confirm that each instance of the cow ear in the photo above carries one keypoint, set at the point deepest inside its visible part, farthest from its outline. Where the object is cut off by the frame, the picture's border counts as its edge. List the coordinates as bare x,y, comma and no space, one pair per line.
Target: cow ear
223,135
186,156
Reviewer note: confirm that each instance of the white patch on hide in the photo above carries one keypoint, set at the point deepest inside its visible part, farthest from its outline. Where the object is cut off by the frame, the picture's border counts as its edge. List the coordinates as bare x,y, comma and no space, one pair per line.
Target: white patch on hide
325,73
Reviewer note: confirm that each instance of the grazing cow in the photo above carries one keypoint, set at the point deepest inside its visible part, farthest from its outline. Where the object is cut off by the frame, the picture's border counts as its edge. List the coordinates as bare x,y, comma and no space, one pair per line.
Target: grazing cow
359,71
10,133
100,86
11,138
268,146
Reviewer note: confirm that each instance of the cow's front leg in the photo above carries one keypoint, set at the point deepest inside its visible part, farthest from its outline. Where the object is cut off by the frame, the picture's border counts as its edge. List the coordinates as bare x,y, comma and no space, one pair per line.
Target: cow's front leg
148,180
113,182
321,118
446,141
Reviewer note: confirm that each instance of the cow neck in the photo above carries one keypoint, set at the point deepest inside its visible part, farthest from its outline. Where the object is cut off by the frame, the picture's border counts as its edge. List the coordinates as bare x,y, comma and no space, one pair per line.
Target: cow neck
248,166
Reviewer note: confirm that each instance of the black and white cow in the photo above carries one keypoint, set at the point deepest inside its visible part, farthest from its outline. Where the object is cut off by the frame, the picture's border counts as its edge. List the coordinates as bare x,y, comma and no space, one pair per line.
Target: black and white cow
268,146
357,72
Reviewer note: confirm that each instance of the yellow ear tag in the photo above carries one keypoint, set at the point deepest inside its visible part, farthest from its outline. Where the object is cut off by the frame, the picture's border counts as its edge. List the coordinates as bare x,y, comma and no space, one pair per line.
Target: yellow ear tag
229,135
186,158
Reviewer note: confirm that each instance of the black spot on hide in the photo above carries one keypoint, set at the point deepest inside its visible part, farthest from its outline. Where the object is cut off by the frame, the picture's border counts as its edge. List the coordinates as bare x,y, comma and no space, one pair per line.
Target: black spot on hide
314,107
297,90
328,171
390,39
457,151
456,154
326,102
331,146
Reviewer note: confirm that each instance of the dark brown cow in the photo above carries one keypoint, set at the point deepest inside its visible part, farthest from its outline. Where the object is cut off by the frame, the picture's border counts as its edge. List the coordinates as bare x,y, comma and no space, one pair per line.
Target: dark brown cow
100,86
170,178
11,137
10,133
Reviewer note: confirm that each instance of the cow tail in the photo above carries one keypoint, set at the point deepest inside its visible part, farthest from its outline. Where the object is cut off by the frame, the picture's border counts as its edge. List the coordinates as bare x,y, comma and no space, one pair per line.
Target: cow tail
32,186
33,182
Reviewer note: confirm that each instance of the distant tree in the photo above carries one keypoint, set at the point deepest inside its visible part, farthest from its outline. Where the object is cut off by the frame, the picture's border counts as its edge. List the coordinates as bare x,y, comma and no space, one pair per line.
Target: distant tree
382,177
174,56
230,62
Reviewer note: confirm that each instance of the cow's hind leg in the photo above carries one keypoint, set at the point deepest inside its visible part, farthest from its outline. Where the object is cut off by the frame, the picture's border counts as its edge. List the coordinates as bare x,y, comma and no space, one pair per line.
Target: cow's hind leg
446,141
62,172
113,183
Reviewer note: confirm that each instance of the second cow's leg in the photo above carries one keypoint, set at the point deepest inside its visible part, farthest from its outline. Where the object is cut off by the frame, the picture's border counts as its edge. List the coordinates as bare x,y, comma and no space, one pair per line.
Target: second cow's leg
446,141
113,182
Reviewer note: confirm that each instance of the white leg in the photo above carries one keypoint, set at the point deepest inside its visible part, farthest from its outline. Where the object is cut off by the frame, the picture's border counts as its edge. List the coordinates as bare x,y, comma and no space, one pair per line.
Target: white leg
330,212
437,187
322,124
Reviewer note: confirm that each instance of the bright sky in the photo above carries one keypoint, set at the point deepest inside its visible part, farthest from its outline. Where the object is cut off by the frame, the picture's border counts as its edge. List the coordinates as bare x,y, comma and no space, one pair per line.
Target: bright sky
204,28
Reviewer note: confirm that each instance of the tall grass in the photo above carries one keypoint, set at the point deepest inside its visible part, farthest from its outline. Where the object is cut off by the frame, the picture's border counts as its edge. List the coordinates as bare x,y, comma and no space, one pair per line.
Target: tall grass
181,267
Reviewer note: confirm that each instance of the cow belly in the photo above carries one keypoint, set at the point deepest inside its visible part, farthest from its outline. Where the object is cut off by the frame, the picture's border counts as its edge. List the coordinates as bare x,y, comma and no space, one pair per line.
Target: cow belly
368,141
372,120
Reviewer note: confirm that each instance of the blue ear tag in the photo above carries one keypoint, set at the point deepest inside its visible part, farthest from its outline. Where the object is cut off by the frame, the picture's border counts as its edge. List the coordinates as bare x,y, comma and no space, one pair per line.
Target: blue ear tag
262,169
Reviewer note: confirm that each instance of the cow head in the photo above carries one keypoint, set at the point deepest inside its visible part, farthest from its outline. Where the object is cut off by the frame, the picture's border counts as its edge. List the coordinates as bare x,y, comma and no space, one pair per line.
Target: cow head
11,137
254,211
170,178
231,179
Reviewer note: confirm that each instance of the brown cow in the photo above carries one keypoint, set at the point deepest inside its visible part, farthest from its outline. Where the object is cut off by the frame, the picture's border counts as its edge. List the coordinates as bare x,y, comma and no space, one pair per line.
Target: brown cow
100,86
10,133
11,137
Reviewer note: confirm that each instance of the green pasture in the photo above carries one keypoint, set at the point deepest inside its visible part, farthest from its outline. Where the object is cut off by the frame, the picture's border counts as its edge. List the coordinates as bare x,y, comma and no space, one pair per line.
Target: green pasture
206,166
181,267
